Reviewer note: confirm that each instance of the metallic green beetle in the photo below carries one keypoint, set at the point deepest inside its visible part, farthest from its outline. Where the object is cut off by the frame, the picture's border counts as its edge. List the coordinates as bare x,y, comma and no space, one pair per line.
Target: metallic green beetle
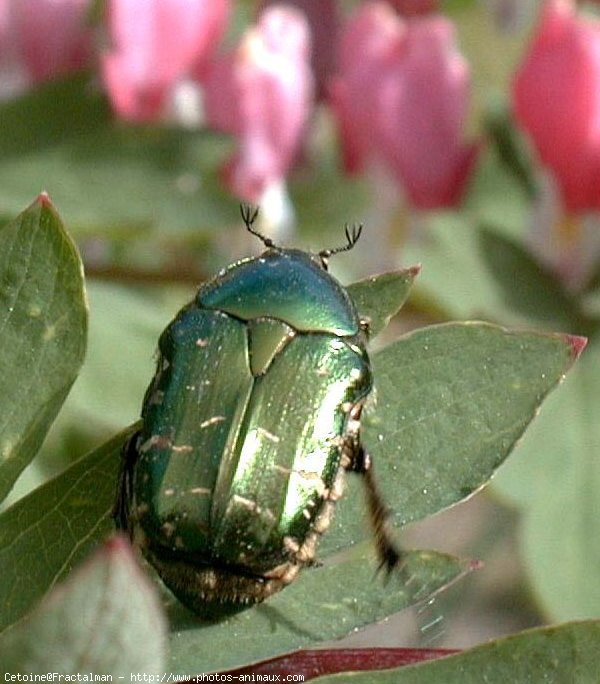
248,426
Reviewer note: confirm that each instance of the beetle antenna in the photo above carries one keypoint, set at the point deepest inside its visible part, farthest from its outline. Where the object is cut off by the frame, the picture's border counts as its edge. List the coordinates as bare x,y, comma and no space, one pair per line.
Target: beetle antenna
249,213
352,237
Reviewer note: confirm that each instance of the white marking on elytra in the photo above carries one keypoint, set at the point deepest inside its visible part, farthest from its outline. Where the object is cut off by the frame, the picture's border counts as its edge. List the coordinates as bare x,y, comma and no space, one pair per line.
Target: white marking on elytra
212,421
182,449
246,503
315,479
291,544
169,491
202,342
203,491
159,441
268,435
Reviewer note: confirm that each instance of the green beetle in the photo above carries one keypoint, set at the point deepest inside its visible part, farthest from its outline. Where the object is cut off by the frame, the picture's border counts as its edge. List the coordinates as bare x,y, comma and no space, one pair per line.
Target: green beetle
249,424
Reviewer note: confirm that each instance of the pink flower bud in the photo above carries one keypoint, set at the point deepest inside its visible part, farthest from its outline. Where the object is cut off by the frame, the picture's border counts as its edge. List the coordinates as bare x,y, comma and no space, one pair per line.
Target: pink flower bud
153,44
50,36
402,98
262,94
556,95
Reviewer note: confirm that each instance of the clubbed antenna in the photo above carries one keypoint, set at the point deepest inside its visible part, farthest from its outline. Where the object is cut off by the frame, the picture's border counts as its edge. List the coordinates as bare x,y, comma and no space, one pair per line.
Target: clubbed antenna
249,213
352,237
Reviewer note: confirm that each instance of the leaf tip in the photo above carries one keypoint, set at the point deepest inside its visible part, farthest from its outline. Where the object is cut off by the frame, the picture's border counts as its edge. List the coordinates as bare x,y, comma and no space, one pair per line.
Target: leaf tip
414,271
44,199
117,544
475,565
577,344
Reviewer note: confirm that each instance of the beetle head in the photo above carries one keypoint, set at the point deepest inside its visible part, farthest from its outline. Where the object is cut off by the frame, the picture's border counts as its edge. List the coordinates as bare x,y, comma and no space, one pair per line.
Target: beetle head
250,212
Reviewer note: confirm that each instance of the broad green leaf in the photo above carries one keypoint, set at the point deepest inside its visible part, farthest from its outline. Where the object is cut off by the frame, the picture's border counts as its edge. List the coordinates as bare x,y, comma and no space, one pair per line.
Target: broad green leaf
43,325
449,404
44,535
382,296
556,484
324,603
553,655
106,619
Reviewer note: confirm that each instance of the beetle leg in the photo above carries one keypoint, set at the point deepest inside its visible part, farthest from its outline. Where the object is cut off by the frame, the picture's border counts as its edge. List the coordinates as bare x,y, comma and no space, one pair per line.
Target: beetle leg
390,556
120,512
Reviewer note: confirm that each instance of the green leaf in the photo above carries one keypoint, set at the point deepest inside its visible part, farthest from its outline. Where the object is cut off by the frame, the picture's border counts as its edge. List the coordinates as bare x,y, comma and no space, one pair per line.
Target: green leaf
556,484
510,147
45,534
43,325
537,296
380,297
449,404
553,655
106,619
324,603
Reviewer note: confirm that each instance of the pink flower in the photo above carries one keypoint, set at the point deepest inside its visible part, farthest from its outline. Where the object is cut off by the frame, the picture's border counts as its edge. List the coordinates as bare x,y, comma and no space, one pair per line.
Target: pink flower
155,43
262,94
50,37
556,95
401,99
323,20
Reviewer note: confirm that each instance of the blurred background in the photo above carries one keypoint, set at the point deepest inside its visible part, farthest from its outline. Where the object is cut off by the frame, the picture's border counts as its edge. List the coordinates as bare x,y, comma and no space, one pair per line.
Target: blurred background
464,134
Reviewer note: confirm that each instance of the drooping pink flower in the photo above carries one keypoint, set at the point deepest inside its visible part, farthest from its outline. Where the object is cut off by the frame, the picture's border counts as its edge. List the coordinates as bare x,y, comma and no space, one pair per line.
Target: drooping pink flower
261,93
153,44
50,37
556,95
324,22
401,99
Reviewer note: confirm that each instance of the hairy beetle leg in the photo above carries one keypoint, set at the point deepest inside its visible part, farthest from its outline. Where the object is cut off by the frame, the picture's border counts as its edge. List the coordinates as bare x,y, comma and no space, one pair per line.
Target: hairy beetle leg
129,456
390,556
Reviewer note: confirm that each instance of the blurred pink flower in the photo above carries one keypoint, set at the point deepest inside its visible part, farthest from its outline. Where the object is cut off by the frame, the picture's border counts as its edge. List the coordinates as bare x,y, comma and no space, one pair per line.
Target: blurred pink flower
556,95
262,94
401,98
155,43
324,21
50,37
